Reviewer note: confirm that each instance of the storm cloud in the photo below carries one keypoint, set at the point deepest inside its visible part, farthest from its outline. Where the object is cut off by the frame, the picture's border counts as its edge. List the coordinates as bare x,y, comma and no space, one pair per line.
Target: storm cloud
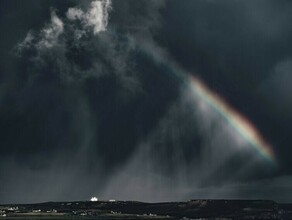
90,104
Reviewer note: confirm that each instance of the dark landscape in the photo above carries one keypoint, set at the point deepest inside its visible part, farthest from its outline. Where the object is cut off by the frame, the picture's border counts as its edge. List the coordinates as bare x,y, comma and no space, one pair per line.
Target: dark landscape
194,209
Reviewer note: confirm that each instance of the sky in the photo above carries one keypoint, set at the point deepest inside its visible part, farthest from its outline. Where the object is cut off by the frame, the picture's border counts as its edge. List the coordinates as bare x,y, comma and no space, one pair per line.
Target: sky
149,100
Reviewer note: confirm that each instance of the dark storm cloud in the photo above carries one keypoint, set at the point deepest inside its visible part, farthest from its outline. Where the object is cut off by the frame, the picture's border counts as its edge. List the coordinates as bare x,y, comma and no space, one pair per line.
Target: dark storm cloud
231,43
75,106
88,107
277,88
235,47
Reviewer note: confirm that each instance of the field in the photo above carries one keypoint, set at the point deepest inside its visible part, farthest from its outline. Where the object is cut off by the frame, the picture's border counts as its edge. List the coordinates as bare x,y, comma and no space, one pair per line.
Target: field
194,209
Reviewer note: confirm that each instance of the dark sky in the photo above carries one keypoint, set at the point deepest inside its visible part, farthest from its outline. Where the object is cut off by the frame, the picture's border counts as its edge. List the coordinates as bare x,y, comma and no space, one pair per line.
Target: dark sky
91,104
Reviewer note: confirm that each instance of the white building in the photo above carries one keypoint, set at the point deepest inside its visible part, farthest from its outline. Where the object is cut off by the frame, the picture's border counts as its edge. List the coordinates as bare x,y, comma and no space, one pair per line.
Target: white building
94,199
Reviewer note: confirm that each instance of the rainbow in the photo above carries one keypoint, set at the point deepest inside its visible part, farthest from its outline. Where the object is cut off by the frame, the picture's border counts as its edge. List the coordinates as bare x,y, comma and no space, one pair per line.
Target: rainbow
240,123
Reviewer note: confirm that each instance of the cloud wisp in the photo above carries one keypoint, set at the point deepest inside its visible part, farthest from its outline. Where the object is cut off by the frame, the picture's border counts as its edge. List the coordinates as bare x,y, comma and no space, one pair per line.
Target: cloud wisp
95,17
